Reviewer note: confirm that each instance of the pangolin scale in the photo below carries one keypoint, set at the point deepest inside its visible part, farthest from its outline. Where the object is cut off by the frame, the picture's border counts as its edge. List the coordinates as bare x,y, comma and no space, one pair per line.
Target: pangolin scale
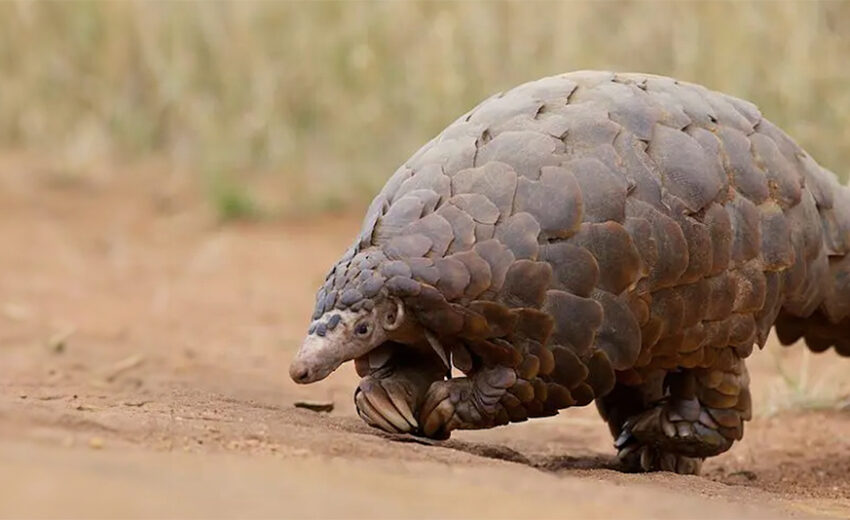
623,238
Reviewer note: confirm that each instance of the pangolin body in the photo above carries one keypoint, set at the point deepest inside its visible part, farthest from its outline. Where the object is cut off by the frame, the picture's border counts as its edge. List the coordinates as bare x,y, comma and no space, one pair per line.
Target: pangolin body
623,238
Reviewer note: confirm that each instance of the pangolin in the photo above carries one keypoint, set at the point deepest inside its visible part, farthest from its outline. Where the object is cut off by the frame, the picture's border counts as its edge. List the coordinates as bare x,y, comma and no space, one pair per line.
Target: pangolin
593,236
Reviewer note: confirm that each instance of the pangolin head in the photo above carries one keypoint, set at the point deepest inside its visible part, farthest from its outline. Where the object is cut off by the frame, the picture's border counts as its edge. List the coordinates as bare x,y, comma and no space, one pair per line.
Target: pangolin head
342,335
355,313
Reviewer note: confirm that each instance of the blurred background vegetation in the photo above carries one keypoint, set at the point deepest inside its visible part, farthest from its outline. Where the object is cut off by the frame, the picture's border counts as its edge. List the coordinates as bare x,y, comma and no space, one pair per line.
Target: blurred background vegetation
328,98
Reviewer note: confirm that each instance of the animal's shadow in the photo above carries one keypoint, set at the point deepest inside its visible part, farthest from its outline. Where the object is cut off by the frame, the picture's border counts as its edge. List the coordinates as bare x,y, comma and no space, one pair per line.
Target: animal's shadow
552,464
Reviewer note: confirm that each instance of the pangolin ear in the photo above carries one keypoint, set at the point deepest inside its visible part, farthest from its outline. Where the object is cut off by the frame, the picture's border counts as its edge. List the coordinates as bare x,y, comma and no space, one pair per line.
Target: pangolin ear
391,320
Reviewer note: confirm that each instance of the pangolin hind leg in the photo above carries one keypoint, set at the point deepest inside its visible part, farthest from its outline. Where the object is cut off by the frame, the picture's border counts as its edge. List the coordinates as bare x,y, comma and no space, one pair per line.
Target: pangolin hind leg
627,401
700,416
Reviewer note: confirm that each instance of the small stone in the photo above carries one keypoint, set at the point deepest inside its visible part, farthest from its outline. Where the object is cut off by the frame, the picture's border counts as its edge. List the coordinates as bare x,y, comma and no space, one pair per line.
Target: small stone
748,475
96,443
316,406
136,404
57,343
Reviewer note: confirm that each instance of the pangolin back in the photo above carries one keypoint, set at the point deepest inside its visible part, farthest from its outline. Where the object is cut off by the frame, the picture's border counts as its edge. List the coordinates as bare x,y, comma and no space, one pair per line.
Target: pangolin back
596,222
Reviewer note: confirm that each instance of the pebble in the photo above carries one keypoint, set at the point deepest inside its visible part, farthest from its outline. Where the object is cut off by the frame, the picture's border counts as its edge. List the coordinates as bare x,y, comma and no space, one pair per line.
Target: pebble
316,406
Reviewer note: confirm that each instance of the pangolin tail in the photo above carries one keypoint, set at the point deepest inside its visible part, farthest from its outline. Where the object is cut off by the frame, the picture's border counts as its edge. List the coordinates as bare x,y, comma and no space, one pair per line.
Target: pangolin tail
820,311
818,331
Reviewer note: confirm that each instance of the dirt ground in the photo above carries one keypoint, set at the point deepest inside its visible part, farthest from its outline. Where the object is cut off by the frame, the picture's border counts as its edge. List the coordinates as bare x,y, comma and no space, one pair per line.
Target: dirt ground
143,366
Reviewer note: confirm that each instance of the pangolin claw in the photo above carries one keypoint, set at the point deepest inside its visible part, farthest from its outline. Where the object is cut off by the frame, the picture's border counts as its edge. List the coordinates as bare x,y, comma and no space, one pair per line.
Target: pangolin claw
439,422
636,456
384,404
372,417
639,458
438,412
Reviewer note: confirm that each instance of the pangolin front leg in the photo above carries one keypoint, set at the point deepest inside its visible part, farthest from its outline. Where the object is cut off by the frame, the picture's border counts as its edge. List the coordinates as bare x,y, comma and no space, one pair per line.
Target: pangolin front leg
701,416
466,403
390,397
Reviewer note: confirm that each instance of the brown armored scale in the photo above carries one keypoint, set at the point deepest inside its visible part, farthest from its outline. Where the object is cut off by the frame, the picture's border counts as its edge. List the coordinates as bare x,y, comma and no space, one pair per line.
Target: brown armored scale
618,238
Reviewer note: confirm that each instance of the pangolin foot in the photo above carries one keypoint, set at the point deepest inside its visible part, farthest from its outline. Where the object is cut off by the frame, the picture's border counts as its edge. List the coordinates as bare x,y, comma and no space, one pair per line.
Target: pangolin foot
387,404
674,436
637,458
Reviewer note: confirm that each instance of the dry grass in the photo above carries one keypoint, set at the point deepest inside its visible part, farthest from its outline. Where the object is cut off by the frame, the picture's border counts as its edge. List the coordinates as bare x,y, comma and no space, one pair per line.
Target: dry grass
329,97
797,385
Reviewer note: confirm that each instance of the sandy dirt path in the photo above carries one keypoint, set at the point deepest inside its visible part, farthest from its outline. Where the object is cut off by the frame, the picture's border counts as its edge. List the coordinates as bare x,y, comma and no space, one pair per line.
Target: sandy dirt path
143,357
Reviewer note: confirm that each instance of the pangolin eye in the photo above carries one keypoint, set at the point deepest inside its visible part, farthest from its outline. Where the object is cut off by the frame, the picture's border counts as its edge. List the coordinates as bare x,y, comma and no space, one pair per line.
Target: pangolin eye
362,329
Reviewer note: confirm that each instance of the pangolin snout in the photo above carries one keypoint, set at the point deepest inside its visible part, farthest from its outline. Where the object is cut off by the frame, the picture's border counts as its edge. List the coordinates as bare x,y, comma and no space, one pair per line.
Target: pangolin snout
304,371
315,360
299,373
